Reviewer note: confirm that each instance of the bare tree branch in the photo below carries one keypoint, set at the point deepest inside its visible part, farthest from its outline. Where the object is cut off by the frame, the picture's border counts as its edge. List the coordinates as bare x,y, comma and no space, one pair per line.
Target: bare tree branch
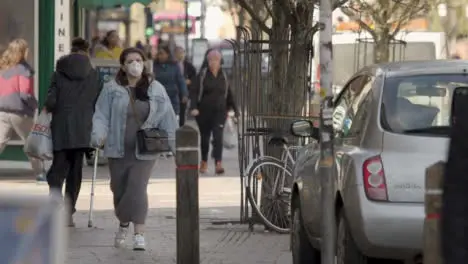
268,9
338,3
408,12
233,9
254,15
354,15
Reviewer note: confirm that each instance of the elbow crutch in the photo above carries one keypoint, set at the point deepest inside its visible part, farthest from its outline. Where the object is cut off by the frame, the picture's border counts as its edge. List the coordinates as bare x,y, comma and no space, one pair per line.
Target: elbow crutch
93,181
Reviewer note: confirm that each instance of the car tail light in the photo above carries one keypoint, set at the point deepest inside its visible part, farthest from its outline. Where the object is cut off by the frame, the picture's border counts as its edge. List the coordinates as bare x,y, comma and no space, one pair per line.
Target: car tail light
374,179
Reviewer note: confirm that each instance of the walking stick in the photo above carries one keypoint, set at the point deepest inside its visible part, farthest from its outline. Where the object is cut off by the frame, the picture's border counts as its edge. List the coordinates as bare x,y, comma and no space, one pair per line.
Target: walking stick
91,202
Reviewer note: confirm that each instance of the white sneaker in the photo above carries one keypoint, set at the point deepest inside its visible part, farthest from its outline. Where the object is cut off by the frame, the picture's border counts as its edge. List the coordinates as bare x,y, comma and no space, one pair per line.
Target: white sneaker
139,242
120,237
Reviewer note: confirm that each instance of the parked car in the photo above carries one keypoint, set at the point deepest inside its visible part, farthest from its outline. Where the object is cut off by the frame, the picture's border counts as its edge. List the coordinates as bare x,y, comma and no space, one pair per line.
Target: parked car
391,122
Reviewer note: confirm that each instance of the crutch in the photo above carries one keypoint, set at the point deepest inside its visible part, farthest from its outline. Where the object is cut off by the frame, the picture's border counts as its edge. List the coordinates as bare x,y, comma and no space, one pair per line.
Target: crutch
93,181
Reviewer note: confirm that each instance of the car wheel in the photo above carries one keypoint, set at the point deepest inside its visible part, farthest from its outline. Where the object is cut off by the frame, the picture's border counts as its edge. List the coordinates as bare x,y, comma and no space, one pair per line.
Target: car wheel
302,250
346,250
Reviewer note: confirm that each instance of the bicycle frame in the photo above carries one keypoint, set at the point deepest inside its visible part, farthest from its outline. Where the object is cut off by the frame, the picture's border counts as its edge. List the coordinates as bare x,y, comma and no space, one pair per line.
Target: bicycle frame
286,157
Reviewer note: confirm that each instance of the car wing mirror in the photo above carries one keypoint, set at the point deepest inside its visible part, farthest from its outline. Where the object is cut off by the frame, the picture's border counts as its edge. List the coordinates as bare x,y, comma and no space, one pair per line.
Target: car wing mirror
304,128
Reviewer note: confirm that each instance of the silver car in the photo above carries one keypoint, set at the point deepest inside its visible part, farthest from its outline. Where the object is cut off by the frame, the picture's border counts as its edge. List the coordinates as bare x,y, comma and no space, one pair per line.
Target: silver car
391,122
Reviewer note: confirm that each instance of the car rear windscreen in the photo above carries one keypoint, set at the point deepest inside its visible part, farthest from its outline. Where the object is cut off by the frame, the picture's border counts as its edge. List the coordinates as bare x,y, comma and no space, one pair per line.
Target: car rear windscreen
419,104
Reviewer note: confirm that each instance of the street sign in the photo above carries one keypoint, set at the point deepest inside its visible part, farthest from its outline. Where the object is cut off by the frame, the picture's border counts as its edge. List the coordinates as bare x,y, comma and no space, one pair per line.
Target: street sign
32,229
107,69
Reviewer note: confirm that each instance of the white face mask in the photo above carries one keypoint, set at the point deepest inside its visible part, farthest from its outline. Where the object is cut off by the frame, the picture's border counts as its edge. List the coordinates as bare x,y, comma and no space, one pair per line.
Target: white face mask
135,68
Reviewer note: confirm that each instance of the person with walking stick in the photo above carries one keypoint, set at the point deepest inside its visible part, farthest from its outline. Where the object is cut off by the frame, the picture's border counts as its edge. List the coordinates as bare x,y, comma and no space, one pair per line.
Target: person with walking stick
126,108
71,96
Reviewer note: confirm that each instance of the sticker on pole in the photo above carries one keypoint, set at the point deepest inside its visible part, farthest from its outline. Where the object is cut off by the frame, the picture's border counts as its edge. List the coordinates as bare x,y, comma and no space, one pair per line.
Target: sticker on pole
32,230
323,92
326,162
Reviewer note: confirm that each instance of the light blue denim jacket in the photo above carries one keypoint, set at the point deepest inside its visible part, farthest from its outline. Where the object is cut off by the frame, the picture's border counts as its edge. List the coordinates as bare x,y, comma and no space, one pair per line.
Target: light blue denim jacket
110,117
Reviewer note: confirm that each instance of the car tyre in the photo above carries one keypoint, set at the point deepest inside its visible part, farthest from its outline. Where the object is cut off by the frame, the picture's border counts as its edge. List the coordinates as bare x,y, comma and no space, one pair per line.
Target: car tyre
302,250
346,250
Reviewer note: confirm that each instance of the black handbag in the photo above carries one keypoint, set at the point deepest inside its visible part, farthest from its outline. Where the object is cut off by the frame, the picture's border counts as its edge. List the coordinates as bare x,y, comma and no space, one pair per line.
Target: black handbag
150,141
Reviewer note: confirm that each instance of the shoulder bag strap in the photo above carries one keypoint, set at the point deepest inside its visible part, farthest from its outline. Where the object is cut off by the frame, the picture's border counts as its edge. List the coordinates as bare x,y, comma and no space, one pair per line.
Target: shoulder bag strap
227,84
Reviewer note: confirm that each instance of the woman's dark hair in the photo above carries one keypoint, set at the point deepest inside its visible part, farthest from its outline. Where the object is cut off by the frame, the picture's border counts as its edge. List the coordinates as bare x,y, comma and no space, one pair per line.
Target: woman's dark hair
105,41
79,44
141,88
167,50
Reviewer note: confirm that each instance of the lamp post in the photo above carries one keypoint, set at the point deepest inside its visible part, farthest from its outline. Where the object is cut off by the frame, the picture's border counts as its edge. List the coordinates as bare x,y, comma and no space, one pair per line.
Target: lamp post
187,29
327,159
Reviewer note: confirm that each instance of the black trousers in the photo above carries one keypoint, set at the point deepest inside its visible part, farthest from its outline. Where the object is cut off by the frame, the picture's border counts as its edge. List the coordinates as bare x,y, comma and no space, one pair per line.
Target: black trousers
211,123
67,165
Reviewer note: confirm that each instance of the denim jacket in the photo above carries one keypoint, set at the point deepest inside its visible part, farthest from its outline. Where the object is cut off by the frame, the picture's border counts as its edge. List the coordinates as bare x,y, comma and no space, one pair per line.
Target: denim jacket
110,118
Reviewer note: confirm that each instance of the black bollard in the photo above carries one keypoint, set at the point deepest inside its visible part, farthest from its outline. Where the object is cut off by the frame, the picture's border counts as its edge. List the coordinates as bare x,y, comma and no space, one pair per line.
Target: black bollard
188,227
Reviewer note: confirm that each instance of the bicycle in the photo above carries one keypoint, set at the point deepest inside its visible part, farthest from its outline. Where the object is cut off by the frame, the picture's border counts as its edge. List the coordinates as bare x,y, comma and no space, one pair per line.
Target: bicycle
279,195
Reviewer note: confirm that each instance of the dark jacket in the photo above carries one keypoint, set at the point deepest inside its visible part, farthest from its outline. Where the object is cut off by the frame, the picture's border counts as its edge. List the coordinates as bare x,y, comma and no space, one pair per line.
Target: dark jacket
71,98
17,90
212,93
190,73
169,75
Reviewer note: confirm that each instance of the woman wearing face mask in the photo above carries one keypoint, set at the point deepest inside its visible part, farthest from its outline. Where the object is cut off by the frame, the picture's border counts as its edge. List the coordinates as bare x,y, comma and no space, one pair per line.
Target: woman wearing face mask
211,98
167,72
131,102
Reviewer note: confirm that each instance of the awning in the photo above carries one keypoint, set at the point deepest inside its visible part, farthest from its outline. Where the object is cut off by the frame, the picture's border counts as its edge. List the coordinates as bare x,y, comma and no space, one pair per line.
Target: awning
92,4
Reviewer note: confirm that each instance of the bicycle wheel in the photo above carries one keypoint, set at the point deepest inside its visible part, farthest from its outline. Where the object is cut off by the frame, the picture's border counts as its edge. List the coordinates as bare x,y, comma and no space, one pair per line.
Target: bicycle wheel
271,176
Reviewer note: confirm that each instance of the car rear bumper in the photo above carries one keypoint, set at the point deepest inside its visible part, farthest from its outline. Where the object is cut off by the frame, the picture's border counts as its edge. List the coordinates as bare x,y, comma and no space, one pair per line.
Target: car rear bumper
384,230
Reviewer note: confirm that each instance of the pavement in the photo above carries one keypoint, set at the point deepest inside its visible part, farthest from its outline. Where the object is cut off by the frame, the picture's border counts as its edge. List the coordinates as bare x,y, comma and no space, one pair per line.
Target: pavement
219,201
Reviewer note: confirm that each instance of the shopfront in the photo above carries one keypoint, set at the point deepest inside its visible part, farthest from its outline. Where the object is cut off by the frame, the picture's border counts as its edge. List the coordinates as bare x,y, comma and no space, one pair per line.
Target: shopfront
34,20
48,26
20,19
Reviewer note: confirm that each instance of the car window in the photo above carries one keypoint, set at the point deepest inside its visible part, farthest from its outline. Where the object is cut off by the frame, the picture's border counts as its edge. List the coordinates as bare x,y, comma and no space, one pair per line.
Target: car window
345,108
419,104
357,114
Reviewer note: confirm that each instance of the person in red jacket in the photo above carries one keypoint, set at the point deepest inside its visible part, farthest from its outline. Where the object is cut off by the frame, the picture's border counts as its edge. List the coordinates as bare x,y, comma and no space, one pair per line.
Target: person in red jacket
17,101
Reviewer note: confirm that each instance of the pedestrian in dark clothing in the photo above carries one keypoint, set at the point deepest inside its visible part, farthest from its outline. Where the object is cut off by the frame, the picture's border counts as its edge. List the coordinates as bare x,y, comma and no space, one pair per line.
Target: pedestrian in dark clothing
211,99
205,60
71,97
167,72
190,73
139,45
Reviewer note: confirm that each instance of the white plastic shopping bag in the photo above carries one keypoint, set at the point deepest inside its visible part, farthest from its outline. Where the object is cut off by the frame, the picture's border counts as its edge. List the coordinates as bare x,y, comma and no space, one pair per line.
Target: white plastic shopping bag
230,134
39,142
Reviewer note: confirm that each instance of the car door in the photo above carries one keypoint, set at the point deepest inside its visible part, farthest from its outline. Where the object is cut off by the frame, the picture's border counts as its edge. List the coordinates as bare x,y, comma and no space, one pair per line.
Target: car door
311,192
352,131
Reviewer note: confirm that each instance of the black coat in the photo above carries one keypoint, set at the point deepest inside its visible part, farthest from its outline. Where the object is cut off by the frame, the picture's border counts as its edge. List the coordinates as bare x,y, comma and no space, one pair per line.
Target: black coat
71,98
190,73
214,94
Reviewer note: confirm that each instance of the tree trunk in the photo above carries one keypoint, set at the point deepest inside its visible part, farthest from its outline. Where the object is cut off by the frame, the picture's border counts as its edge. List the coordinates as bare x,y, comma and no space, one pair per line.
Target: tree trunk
287,90
451,28
298,69
382,46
